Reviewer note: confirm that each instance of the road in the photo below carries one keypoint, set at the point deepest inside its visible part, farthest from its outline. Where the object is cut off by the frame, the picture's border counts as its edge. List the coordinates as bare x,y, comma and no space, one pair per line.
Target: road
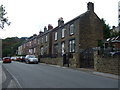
48,76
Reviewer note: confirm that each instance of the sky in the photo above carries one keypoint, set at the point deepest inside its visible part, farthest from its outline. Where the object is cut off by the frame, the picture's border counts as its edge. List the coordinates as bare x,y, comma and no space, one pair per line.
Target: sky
29,17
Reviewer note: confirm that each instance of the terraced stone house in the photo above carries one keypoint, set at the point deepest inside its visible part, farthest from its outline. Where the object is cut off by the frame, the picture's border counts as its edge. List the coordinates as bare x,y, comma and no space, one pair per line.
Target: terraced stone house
81,33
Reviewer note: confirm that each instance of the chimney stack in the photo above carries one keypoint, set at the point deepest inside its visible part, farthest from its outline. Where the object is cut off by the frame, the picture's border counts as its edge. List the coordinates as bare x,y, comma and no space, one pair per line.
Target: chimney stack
90,6
50,27
40,32
60,21
45,29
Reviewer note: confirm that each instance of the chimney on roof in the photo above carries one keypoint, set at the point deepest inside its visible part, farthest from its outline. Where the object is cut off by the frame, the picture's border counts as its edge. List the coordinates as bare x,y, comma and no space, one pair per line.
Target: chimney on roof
34,35
90,6
40,32
45,29
60,21
50,27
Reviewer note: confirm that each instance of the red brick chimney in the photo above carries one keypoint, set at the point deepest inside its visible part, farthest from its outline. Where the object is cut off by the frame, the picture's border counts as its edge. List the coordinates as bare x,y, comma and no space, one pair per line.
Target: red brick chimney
50,27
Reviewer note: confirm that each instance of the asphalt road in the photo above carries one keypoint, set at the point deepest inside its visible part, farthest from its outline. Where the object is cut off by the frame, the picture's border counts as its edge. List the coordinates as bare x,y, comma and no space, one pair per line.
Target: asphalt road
47,76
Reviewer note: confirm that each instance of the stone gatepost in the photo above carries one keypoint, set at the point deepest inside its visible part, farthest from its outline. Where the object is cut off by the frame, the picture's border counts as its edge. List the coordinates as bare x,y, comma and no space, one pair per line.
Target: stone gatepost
95,57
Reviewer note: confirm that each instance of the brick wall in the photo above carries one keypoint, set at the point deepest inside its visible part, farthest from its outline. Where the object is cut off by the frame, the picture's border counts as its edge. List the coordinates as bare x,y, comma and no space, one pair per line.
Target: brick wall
108,65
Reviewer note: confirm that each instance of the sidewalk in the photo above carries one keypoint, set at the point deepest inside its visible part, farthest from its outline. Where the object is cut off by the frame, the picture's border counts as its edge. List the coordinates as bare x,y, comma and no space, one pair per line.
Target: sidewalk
0,75
92,71
108,75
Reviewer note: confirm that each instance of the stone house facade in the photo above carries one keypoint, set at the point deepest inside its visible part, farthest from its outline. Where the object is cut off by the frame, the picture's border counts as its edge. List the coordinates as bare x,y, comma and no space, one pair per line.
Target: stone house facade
82,32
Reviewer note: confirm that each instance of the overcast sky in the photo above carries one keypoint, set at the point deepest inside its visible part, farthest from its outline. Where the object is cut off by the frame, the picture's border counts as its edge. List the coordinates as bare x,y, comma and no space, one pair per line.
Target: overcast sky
28,17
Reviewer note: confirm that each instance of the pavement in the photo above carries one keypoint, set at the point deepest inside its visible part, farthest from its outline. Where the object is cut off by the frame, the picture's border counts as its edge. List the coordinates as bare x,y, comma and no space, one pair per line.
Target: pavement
0,75
92,71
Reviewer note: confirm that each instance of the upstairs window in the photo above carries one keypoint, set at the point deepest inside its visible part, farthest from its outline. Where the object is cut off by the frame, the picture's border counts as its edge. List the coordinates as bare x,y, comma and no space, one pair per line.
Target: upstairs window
42,40
71,29
56,35
38,41
72,46
46,38
63,33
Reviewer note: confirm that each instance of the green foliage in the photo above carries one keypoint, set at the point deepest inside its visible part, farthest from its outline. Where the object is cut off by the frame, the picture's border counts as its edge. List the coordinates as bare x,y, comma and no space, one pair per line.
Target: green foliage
3,19
10,45
106,29
100,43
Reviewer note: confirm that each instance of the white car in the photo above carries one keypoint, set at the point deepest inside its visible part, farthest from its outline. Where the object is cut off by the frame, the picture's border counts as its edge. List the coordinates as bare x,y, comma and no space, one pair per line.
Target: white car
31,59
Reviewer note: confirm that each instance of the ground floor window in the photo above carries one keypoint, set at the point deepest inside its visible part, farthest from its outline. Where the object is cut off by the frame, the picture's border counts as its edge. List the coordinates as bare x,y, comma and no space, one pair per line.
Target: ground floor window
63,47
72,45
55,48
41,50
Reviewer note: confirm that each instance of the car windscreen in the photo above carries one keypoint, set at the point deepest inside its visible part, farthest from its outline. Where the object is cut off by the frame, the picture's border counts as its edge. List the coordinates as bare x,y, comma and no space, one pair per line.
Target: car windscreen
31,56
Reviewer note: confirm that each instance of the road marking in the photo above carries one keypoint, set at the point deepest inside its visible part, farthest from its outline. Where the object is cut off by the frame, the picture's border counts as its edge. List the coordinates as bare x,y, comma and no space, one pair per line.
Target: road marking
15,79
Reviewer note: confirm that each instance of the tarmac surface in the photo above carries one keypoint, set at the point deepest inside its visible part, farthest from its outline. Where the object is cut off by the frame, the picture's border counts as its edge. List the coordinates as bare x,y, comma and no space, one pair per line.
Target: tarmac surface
8,81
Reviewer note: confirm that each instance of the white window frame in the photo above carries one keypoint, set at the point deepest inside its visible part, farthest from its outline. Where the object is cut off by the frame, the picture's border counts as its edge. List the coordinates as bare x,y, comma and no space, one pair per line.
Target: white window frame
38,41
63,32
56,35
41,50
72,45
42,40
71,29
46,38
63,47
34,50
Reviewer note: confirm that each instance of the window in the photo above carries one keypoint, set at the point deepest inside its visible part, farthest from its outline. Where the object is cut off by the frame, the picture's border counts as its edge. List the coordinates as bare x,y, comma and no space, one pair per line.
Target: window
63,47
34,41
56,49
34,50
41,50
71,45
38,41
46,38
42,40
46,49
31,51
71,29
63,33
56,35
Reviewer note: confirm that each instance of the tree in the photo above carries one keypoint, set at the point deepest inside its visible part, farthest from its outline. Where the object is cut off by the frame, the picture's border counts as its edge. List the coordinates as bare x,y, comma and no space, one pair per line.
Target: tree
106,29
3,19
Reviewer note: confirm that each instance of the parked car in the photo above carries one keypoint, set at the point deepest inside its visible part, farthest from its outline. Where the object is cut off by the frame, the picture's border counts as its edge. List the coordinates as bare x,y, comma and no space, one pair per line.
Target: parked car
13,58
117,53
7,60
31,59
18,58
22,58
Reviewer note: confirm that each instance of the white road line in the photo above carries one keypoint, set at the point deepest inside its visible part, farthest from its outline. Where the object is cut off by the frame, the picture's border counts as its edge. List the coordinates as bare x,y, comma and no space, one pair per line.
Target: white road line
15,79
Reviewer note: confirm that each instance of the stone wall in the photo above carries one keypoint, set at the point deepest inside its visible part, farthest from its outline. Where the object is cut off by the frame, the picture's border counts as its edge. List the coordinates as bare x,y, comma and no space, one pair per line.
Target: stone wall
73,62
107,65
0,48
